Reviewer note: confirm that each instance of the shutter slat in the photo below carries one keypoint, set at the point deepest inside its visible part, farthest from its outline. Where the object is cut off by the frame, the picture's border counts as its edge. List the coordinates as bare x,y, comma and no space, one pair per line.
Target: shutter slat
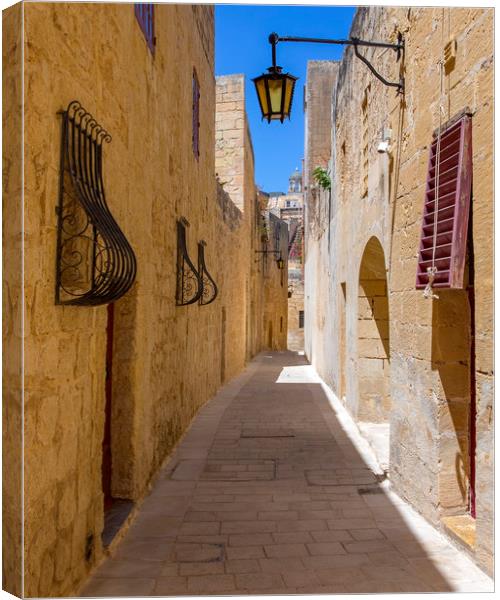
451,132
441,239
442,214
441,264
443,202
446,225
447,151
444,177
455,172
446,163
441,280
446,187
441,251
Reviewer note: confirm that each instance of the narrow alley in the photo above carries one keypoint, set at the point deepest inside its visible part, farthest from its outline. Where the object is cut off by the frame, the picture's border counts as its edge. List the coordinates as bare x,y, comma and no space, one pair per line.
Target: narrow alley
248,299
272,490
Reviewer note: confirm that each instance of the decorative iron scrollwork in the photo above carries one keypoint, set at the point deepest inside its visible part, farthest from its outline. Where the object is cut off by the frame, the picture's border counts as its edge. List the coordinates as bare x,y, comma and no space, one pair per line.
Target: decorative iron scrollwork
209,287
95,262
189,282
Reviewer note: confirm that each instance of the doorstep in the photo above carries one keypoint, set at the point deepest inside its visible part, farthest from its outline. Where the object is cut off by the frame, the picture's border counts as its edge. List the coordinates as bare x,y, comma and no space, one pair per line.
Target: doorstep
462,528
114,519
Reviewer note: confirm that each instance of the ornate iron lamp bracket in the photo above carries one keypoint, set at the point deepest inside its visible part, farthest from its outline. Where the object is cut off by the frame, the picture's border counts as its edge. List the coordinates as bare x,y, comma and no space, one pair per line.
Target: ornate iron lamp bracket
95,263
189,282
399,47
210,291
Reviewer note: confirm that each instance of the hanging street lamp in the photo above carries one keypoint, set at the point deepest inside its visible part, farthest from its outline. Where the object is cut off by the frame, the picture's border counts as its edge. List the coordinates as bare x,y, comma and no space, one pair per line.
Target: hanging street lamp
275,88
280,263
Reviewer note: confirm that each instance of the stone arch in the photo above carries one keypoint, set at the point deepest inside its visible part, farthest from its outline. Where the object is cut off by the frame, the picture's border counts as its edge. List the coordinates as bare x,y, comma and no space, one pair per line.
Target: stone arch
374,402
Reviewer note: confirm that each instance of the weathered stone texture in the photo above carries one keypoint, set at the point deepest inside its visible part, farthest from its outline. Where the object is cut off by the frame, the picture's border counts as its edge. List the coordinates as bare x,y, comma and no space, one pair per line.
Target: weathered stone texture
167,360
12,307
321,76
429,341
276,316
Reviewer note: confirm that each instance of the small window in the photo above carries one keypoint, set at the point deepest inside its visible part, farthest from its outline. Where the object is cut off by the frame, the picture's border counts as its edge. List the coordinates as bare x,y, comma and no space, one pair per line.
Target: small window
301,319
145,16
196,115
281,324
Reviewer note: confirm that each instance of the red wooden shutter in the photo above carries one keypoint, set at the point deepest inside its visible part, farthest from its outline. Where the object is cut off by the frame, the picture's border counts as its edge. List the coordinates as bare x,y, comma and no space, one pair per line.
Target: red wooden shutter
196,115
455,178
145,16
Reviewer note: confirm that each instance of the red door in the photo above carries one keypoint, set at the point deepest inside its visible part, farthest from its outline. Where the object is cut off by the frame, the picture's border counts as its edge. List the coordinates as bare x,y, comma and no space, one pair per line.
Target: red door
106,442
472,416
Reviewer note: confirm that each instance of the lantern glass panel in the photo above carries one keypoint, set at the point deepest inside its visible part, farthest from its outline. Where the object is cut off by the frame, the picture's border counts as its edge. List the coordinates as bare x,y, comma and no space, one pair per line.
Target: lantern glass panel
275,94
260,84
290,84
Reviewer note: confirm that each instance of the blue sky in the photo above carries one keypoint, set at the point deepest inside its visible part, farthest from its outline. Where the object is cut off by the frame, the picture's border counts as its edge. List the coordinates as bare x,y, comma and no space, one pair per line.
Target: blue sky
241,47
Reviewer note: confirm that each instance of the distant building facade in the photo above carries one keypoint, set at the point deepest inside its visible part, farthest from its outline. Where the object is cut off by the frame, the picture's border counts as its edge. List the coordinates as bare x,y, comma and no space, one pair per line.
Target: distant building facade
290,208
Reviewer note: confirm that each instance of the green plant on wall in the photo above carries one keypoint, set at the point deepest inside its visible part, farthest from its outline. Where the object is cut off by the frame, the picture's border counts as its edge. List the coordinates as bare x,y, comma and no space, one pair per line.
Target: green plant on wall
322,178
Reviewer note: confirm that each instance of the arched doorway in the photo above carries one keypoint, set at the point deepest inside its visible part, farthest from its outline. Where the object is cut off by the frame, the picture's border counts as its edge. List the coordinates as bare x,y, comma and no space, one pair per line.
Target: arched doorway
373,336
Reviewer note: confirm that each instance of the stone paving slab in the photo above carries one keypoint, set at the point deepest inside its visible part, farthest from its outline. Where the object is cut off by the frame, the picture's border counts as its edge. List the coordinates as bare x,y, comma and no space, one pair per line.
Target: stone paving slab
274,491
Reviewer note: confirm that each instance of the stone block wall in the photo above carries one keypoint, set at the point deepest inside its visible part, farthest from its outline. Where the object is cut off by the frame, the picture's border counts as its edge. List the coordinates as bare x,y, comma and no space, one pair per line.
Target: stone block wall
231,145
168,360
164,356
234,165
431,368
373,349
276,316
295,339
321,76
319,92
12,307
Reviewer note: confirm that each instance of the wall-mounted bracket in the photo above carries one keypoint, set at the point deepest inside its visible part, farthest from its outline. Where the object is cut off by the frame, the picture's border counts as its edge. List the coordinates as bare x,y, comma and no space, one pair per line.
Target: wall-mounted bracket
399,47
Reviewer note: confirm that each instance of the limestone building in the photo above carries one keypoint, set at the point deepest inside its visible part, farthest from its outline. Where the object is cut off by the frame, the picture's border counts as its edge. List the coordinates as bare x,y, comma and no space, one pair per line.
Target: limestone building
419,368
131,291
290,208
266,310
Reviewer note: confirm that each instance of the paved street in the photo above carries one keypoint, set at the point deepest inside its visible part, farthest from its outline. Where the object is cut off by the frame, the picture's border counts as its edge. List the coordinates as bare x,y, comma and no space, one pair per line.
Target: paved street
273,491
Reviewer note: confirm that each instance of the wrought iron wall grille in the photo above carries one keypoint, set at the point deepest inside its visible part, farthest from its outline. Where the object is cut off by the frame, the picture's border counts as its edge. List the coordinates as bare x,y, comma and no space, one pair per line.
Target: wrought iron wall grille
189,282
95,262
210,291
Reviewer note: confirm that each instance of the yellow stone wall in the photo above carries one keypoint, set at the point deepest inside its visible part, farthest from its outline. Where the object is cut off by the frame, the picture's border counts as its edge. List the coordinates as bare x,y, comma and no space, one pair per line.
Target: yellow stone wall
380,197
167,360
274,280
12,383
295,305
265,308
